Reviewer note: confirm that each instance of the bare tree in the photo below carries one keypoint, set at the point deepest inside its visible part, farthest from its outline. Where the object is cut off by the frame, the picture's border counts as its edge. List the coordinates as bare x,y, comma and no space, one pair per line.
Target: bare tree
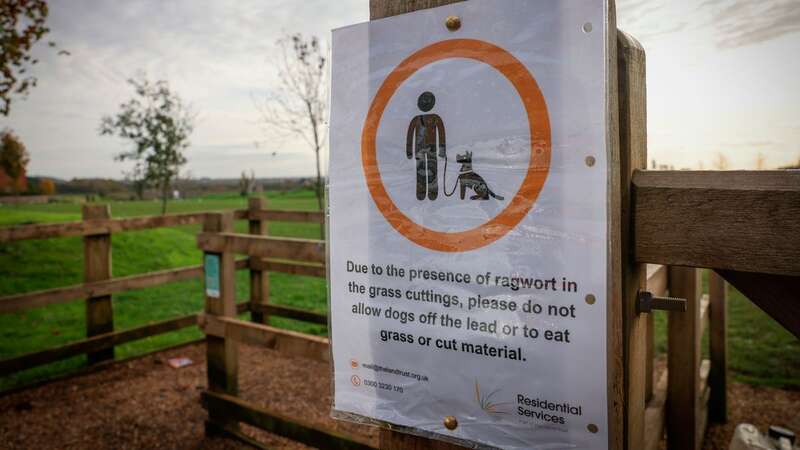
720,162
761,161
299,106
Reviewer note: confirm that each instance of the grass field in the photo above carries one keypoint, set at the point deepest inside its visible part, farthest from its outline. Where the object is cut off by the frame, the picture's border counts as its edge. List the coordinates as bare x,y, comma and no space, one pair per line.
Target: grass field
760,351
43,264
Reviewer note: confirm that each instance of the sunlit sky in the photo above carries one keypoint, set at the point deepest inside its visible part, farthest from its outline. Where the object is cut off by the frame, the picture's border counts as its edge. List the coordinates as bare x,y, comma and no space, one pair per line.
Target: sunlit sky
723,76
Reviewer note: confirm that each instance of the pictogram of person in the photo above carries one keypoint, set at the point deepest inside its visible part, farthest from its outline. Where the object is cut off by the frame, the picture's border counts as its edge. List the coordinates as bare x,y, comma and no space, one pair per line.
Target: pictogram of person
421,143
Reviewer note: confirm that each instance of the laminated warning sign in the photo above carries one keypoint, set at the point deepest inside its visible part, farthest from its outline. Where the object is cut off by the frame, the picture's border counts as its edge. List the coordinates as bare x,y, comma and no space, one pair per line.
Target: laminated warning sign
468,223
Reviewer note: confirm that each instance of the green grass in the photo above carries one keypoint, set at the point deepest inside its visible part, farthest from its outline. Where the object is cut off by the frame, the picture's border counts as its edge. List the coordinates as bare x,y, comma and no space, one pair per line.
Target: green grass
42,264
760,351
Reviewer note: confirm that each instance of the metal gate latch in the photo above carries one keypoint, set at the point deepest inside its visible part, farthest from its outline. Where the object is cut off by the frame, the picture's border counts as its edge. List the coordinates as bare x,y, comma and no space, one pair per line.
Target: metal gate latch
646,302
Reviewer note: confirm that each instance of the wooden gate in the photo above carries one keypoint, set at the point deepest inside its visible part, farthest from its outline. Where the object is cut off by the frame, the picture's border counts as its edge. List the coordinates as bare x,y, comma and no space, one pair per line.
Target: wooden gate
742,225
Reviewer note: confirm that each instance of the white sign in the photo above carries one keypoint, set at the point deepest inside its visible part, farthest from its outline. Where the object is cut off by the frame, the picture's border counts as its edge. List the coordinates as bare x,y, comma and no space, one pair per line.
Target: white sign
468,235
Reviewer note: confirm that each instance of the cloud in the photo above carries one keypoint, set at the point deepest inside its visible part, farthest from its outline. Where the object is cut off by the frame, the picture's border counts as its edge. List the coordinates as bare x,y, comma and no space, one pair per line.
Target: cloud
734,23
744,22
215,55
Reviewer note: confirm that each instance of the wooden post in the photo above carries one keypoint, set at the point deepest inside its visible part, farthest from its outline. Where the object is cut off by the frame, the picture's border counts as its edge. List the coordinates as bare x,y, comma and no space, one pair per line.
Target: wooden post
632,97
97,267
627,330
650,355
718,343
392,440
259,280
683,361
222,355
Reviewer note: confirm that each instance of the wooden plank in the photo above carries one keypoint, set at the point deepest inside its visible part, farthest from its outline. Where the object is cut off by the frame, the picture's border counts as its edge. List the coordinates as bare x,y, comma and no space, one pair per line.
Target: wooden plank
655,414
97,267
41,231
650,355
93,344
683,360
290,267
279,215
718,346
42,357
263,246
97,225
389,439
704,318
741,221
657,279
705,369
657,283
624,423
45,297
775,294
259,279
291,313
105,226
702,417
632,97
97,343
222,355
378,9
147,222
293,428
284,341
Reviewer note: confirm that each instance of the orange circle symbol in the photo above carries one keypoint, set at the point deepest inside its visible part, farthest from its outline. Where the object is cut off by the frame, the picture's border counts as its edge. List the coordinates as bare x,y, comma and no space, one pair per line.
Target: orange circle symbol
538,166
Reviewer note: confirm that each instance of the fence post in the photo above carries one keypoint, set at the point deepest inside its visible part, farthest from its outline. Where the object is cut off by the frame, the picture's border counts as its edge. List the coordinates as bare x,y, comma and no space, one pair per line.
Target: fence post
222,355
259,280
650,354
97,267
389,439
718,343
683,361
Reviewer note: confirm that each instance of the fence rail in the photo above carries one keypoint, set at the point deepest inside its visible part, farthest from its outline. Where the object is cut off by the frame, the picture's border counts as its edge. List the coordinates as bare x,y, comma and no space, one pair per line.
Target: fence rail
108,226
680,400
96,229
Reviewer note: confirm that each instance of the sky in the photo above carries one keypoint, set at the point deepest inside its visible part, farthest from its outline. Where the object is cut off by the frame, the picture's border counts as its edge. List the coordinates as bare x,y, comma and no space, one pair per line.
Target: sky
722,78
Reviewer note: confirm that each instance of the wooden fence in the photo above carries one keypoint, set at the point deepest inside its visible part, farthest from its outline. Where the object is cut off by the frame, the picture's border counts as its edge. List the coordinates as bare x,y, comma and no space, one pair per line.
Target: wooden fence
224,331
96,228
681,399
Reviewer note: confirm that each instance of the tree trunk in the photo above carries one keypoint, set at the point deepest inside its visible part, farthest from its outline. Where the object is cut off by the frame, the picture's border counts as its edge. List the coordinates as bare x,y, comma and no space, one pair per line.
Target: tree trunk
139,187
164,192
319,192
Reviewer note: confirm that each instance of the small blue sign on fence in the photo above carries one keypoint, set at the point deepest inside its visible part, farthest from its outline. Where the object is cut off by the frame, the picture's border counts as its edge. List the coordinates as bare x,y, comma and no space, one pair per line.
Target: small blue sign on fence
212,275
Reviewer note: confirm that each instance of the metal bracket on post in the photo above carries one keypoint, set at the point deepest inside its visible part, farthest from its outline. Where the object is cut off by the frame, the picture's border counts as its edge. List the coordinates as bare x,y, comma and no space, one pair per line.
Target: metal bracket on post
646,302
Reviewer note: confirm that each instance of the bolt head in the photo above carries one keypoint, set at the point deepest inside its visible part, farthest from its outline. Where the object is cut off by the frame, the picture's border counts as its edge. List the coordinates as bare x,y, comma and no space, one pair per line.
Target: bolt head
453,23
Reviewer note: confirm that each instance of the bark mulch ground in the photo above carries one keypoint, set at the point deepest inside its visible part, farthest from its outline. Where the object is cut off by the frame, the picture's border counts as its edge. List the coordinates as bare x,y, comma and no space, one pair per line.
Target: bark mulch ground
145,404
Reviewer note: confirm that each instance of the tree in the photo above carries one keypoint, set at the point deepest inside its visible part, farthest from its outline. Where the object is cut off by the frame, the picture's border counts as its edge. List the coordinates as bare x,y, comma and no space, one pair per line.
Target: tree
720,162
761,161
22,24
47,187
13,158
159,124
298,107
247,185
